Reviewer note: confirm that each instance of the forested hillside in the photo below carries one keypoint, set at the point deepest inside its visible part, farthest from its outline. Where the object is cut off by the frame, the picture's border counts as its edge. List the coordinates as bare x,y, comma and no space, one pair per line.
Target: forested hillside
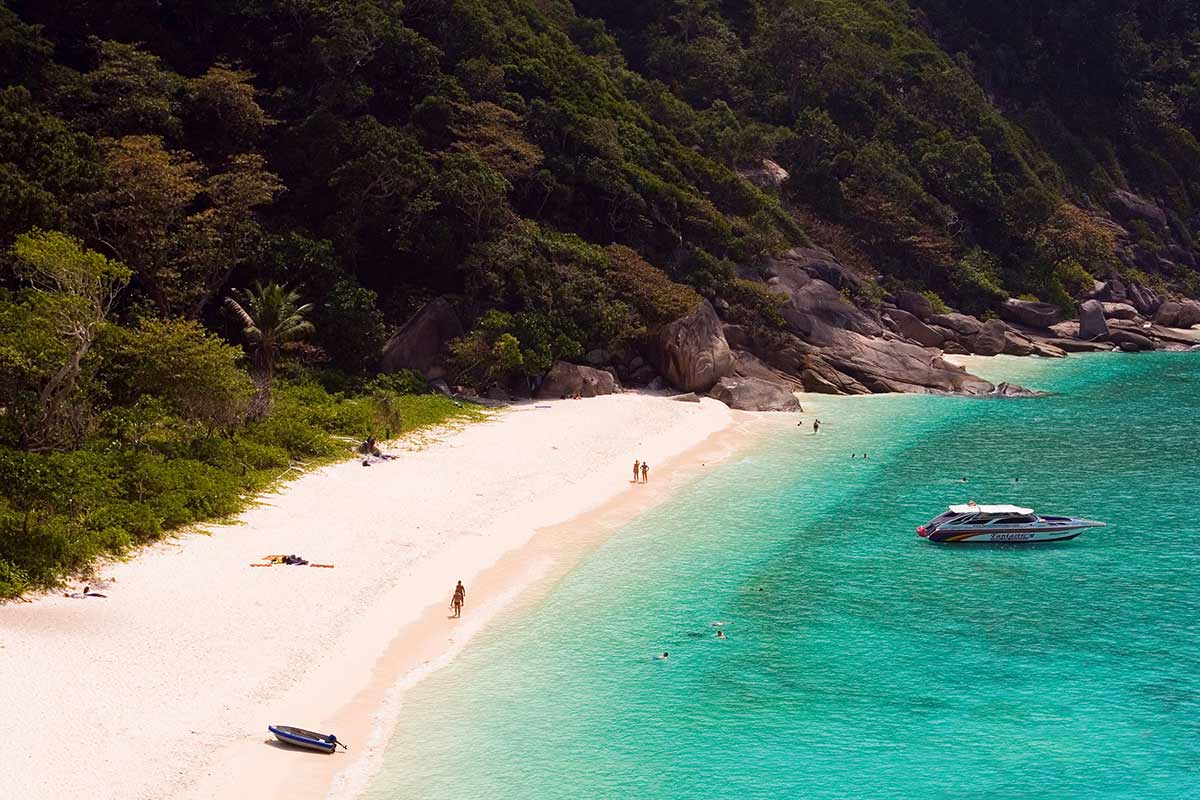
182,180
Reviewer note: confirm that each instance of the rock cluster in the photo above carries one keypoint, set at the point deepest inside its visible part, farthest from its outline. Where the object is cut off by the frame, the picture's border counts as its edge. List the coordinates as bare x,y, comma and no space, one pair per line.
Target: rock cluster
830,345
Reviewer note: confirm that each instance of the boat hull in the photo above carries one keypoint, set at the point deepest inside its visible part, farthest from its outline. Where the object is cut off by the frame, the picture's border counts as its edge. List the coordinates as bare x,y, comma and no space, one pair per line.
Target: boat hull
1006,537
298,737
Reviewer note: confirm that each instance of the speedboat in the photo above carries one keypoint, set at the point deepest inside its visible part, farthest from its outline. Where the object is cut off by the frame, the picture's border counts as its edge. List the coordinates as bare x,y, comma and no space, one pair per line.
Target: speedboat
972,523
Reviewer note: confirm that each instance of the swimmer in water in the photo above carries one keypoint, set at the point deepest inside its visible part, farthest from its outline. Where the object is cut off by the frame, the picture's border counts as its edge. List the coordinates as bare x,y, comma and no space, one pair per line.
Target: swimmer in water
963,479
664,656
721,634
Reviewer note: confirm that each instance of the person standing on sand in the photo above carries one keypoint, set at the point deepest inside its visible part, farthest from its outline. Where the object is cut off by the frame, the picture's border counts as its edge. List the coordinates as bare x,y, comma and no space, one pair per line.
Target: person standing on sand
456,602
636,464
645,471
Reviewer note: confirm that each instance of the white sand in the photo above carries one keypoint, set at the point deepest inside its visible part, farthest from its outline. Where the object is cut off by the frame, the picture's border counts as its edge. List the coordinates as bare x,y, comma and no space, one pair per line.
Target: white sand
165,688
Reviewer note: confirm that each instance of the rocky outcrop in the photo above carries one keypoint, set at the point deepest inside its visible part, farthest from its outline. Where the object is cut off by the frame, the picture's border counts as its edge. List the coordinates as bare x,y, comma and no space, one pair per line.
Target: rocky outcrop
914,303
1006,389
748,365
814,307
753,394
896,366
991,339
908,326
1178,314
1136,340
960,324
1119,311
1091,320
1033,314
816,263
1129,207
1080,346
567,380
420,343
691,352
1144,300
767,175
738,336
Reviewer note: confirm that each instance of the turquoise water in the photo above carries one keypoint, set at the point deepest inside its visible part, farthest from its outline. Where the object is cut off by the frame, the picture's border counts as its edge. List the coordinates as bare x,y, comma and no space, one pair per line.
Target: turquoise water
863,662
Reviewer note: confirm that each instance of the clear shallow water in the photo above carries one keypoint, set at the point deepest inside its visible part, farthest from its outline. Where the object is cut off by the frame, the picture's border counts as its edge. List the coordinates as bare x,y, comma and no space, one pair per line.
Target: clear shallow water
862,661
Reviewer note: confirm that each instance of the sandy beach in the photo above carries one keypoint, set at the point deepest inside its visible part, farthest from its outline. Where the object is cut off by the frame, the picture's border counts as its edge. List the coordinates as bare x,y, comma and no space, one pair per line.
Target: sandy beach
165,687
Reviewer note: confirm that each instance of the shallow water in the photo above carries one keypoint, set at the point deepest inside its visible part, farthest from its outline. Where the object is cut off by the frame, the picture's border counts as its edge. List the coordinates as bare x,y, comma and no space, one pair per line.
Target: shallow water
862,661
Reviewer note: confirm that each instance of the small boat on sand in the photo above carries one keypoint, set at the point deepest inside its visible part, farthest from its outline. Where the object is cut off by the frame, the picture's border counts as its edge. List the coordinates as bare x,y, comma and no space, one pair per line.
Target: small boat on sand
1001,524
324,742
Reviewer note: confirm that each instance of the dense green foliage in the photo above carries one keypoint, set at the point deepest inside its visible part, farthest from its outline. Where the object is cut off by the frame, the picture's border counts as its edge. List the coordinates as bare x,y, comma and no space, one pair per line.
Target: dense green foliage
566,173
154,467
952,140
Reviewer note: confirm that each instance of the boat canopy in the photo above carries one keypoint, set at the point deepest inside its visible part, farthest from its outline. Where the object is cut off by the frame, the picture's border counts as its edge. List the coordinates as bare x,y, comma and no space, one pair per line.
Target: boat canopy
976,509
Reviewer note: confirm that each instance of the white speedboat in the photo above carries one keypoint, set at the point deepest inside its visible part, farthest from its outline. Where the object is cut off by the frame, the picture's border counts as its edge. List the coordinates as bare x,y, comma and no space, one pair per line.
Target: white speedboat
1001,524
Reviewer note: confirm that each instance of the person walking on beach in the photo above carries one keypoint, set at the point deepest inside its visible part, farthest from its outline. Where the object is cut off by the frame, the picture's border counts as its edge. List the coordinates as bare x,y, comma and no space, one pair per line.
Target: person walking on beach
816,425
456,602
636,464
645,471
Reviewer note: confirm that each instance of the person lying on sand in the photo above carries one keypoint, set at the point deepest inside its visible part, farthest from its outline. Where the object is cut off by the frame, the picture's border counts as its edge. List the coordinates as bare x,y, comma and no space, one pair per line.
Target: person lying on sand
87,592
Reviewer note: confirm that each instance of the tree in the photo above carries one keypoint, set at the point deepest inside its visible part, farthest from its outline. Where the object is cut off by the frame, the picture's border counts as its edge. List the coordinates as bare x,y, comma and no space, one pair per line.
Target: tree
193,372
130,92
351,327
73,290
221,103
271,316
183,233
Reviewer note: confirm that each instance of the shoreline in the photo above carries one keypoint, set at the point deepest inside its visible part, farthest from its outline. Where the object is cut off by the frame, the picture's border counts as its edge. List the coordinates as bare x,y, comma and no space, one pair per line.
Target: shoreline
517,580
178,671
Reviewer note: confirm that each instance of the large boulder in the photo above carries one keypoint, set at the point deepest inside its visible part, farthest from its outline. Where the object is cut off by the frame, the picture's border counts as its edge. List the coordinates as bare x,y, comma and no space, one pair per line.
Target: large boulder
1119,311
961,324
567,380
1091,320
897,366
1129,207
1112,290
814,307
908,326
1137,340
754,394
1031,313
914,303
691,352
1144,300
420,343
738,336
748,365
1178,314
1079,346
817,263
767,175
991,339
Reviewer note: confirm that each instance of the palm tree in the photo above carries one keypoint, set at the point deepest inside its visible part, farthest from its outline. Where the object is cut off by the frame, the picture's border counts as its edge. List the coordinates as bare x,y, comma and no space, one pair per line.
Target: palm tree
271,316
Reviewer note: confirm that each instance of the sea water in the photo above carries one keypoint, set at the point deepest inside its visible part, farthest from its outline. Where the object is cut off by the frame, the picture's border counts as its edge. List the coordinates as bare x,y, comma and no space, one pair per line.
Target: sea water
862,661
